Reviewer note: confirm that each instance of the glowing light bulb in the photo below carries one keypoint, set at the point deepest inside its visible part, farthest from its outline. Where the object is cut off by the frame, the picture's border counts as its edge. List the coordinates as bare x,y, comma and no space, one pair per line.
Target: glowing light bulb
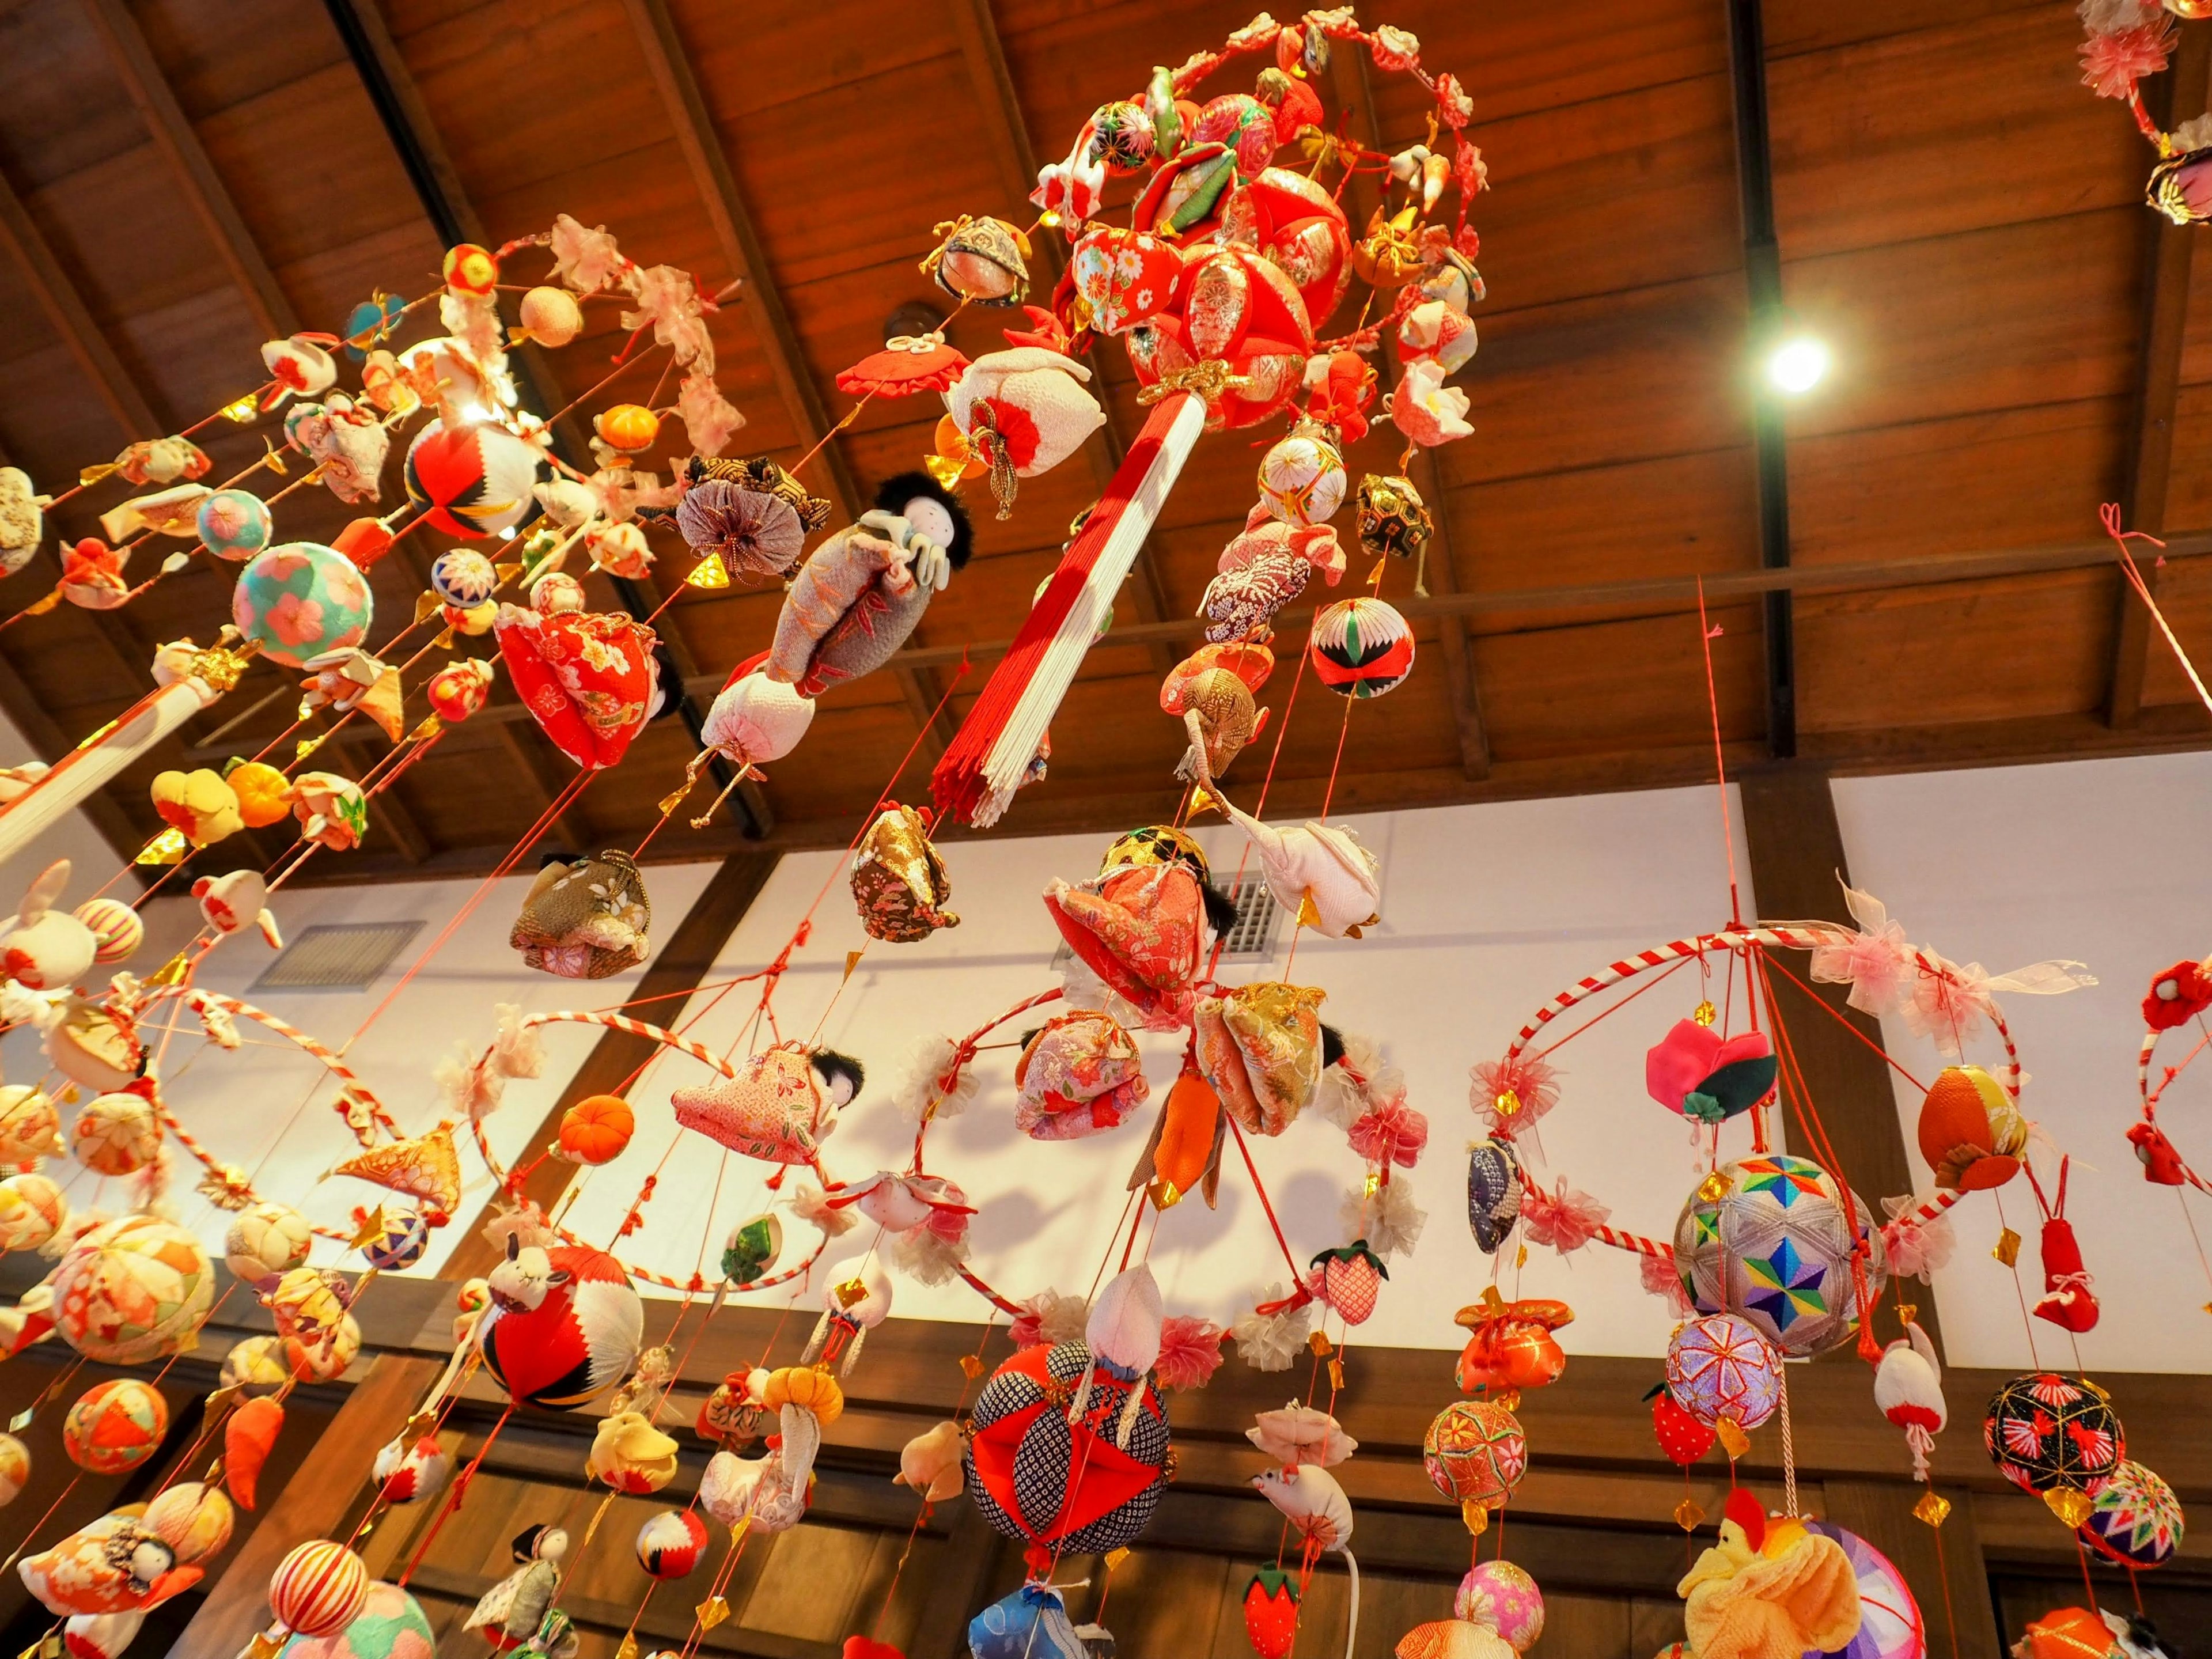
1797,365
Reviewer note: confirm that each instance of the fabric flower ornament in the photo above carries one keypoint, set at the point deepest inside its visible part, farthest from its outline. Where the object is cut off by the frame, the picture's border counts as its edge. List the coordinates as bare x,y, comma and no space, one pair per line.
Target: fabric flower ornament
1425,408
1917,1247
1047,1319
2113,62
332,810
1566,1219
585,259
1190,1352
1876,964
671,307
1270,1341
1392,1133
922,1089
1705,1077
1389,1218
709,418
2176,996
1947,1003
1396,49
1511,1095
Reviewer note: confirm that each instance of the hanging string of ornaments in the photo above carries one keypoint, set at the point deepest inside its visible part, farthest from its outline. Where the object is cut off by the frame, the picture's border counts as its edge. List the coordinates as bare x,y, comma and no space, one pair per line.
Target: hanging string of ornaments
1235,260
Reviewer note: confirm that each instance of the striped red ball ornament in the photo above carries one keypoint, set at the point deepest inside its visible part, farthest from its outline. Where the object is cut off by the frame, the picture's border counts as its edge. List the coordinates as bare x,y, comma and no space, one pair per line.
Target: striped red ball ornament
319,1589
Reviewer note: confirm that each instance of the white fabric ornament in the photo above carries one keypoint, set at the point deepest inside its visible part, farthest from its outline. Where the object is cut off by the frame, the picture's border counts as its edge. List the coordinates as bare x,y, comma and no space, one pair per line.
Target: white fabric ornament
1269,1342
1390,1221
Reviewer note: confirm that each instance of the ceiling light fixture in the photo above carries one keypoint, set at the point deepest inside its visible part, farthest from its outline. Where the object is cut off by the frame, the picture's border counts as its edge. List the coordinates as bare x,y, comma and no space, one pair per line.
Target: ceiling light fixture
1797,365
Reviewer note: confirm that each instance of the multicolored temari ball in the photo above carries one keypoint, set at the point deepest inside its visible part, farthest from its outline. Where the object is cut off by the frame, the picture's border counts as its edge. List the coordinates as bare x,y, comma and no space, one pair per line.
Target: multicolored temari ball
269,1239
2051,1433
1362,647
2136,1520
300,599
1301,479
319,1589
234,523
391,1625
1038,1479
132,1290
1719,1366
1474,1454
1770,1239
1504,1597
400,1242
1889,1619
114,1426
463,578
471,479
31,1210
669,1544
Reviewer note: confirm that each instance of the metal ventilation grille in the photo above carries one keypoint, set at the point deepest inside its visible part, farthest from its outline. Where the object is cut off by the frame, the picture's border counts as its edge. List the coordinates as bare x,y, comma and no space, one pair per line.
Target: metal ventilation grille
1253,935
336,957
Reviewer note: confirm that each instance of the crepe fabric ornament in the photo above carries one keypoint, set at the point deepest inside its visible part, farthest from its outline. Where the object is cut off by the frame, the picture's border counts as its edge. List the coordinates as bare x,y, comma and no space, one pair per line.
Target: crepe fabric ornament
319,1589
898,879
1774,1242
863,592
1502,1597
1510,1345
754,719
1971,1130
114,1426
1079,1075
1260,1047
426,1168
1769,1586
752,512
391,1625
907,364
1140,930
578,1338
1078,1488
472,479
1493,1192
118,1564
585,919
132,1290
774,1107
2135,1520
1699,1074
588,678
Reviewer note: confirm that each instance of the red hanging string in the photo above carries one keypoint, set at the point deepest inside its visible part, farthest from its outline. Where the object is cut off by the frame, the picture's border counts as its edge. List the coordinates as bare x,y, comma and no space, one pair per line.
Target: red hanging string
1705,632
2110,515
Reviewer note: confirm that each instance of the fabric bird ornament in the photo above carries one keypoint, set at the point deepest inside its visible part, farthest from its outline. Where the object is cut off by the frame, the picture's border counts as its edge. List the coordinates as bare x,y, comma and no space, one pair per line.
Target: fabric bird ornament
1768,1587
931,1463
1320,872
631,1455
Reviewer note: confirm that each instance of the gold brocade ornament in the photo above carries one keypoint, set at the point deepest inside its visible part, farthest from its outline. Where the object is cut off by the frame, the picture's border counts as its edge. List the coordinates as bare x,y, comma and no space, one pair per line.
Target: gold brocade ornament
167,848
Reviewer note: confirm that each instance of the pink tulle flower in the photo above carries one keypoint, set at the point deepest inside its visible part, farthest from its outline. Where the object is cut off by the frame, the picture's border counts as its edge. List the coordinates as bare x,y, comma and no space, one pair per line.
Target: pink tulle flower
1531,1081
711,419
1566,1220
949,1220
671,307
1876,962
1049,1317
585,258
1660,1279
1392,1133
1190,1352
1916,1248
2112,63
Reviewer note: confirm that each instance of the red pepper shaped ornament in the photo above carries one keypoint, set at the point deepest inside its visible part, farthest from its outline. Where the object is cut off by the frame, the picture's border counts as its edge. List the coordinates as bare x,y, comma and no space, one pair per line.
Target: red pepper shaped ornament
1271,1613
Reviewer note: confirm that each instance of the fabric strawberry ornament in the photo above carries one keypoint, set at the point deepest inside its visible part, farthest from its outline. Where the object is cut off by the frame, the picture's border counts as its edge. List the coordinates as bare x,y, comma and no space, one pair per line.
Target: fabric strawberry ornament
1271,1613
1681,1437
1348,1280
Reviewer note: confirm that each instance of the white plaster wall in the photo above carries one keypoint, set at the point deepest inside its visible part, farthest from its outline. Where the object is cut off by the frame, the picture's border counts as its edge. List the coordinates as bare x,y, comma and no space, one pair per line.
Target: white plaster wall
1487,911
267,1108
2100,860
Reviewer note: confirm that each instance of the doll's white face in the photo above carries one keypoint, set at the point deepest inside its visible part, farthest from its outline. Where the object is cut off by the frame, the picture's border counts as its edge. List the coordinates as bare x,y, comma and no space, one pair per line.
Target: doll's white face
930,520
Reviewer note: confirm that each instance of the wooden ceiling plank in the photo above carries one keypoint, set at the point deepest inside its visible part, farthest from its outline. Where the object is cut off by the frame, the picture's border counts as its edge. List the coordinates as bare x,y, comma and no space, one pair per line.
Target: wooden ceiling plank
1353,84
172,134
1006,135
739,240
57,297
2150,452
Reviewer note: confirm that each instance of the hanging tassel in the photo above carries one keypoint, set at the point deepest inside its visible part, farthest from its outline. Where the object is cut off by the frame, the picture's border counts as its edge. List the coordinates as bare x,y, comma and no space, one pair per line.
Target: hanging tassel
814,1342
853,1353
1078,1407
1130,1410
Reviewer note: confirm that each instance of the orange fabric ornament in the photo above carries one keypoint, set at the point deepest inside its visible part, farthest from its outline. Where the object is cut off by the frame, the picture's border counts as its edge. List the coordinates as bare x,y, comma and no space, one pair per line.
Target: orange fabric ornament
247,1440
595,1130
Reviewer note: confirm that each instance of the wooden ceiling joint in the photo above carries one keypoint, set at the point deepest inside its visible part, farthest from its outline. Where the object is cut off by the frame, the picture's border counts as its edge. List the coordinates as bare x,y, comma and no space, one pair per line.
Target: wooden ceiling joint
57,296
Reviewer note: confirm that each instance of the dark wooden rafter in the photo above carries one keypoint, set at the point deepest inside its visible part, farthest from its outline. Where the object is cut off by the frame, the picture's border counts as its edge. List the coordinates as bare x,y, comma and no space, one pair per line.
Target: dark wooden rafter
1762,269
1354,86
739,240
56,291
203,187
391,87
2168,258
1006,135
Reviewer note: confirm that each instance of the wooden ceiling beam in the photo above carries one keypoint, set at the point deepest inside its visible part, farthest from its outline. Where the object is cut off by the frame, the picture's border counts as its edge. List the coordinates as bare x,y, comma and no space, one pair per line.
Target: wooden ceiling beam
72,319
1006,135
1762,271
2150,452
173,135
1350,76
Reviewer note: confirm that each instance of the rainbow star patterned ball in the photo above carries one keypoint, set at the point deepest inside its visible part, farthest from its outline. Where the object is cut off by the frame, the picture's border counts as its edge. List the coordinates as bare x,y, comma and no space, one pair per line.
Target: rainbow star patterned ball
114,1426
1506,1598
132,1290
1890,1625
300,599
2050,1433
1770,1239
1361,647
464,578
1719,1366
1474,1454
2136,1520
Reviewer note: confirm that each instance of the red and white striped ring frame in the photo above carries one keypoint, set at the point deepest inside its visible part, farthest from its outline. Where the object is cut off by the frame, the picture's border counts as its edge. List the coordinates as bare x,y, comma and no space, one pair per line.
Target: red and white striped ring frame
2151,1097
351,1084
1785,935
683,1045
